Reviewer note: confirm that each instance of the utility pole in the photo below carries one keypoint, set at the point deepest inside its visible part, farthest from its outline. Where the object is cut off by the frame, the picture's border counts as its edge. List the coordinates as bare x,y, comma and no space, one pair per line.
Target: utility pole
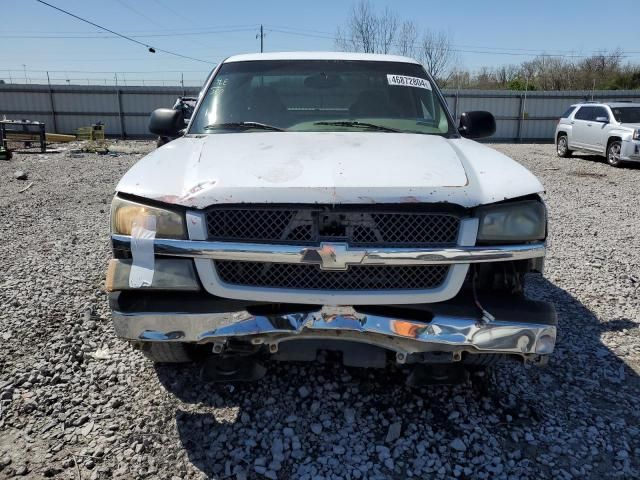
261,35
24,68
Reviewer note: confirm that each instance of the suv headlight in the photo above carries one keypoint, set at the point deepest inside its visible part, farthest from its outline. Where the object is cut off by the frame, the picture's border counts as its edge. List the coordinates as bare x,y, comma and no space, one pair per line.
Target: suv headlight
169,224
636,134
518,221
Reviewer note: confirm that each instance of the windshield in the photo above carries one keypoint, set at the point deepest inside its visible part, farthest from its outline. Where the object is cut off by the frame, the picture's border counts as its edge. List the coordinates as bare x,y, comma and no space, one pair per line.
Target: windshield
320,96
627,114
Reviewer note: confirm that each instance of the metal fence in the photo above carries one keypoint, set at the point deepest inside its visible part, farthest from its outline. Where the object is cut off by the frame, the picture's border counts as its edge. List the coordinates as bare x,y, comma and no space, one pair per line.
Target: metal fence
520,116
527,116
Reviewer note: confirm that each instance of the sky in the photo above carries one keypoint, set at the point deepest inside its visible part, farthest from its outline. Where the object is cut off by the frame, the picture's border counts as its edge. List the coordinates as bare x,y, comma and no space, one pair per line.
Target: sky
35,38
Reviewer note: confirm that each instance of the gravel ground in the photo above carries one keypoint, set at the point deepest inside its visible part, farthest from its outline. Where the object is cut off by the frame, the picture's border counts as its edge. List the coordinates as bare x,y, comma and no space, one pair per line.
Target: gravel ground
75,402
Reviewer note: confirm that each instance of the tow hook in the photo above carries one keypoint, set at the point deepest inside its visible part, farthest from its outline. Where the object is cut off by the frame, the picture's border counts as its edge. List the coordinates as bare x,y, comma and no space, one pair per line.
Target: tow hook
232,369
437,374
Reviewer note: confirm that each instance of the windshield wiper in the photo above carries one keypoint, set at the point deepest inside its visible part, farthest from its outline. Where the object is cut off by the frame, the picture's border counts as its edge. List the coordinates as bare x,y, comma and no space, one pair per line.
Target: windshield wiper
244,126
371,126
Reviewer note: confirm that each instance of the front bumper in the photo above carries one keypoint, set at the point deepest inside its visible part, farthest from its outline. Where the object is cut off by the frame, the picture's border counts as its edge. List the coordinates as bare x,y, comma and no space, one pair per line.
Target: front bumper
630,151
521,327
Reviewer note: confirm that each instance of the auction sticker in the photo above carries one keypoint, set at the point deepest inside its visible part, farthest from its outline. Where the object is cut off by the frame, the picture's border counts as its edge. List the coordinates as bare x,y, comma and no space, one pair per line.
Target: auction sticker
404,81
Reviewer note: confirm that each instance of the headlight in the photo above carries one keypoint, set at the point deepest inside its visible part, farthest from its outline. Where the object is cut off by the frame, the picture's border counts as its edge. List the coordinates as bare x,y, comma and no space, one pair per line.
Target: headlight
636,134
169,224
518,221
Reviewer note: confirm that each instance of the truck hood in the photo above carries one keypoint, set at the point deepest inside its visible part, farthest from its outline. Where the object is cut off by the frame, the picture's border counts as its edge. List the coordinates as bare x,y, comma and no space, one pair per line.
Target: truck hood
326,167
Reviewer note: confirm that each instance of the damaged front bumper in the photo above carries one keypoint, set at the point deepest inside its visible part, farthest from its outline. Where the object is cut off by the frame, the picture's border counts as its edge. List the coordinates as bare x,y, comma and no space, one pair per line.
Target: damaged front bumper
520,327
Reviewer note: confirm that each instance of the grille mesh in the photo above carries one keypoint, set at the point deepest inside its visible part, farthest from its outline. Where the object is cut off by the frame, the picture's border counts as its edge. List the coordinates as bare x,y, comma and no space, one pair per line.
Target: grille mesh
260,225
310,277
407,228
359,228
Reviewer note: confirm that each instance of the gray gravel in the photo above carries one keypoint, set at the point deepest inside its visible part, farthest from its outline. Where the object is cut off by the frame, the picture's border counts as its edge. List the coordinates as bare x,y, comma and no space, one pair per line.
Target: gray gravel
77,403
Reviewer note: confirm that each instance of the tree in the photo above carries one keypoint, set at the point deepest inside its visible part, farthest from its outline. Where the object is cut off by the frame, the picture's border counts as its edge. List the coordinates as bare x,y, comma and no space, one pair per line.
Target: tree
436,53
360,33
627,79
407,39
519,84
386,27
371,32
507,74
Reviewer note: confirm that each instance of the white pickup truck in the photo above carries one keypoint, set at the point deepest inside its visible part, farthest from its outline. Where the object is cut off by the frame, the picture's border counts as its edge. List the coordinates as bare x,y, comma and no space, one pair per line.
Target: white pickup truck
328,202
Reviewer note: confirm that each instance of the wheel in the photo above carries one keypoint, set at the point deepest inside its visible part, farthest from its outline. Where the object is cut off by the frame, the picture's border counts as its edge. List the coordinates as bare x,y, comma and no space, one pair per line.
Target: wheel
613,153
165,352
562,146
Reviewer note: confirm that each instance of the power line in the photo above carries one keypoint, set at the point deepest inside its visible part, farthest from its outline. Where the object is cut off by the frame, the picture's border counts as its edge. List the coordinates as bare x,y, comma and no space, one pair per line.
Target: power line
151,49
130,32
139,13
104,71
151,20
460,50
330,36
175,12
151,35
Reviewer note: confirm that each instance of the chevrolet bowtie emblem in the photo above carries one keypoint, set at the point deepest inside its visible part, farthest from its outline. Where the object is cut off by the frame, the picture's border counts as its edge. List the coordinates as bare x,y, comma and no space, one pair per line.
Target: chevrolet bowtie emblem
332,256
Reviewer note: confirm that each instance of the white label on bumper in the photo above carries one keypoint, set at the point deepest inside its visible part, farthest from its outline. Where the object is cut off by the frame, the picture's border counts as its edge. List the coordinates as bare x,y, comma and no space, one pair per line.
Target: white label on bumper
143,232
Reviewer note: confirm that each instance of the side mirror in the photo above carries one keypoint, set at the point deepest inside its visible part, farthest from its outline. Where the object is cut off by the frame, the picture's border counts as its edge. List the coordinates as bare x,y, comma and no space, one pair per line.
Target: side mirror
602,119
477,124
166,122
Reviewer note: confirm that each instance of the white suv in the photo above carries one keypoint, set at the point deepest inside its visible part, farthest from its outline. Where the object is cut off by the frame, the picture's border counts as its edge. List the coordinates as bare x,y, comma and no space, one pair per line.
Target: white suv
609,129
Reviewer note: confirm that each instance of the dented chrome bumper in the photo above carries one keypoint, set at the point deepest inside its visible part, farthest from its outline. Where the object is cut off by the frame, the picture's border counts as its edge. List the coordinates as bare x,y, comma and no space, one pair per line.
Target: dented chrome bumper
442,332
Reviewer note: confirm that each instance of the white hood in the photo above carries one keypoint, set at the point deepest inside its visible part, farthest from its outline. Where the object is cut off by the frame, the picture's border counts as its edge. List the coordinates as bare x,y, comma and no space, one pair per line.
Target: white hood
328,168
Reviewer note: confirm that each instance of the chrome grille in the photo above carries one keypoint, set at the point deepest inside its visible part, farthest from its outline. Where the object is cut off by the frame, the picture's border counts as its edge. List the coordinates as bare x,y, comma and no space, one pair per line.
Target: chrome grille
307,226
311,277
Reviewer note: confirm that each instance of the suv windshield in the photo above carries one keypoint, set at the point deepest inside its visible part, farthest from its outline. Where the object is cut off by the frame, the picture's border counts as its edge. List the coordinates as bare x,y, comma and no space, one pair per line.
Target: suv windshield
320,96
627,114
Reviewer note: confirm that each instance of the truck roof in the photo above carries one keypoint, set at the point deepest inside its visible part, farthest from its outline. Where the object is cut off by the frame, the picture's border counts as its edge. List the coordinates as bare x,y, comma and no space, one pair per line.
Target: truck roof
250,57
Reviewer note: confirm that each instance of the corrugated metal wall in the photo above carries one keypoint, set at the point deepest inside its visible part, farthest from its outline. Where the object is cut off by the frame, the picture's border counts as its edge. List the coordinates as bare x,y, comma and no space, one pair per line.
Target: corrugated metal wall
531,116
125,110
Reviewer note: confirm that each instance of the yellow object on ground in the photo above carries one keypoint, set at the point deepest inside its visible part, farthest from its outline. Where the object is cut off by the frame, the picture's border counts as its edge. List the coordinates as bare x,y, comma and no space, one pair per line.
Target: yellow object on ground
59,138
93,132
35,137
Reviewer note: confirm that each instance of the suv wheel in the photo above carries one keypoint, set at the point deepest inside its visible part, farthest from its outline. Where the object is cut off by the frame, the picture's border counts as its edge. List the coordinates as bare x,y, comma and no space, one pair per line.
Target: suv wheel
613,153
562,146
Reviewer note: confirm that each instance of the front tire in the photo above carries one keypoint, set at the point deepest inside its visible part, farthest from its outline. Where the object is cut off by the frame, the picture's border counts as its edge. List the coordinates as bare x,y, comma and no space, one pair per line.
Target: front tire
613,153
562,146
